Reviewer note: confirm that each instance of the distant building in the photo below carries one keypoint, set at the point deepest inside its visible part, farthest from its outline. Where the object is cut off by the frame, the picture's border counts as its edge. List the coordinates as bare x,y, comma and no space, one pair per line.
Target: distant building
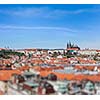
56,50
87,52
2,49
71,48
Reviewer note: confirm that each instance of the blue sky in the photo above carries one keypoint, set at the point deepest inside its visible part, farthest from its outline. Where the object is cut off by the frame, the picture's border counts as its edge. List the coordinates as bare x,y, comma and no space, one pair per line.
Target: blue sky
49,26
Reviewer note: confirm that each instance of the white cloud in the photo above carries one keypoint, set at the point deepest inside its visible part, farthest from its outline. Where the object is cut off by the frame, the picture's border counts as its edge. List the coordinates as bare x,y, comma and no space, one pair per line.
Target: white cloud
37,28
44,12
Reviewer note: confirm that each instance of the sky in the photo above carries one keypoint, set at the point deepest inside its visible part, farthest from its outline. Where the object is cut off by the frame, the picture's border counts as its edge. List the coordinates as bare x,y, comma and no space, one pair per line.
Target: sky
49,26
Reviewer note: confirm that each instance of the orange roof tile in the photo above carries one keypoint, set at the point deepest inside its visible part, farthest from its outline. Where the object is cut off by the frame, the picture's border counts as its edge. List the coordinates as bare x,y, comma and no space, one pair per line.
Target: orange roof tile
1,92
6,74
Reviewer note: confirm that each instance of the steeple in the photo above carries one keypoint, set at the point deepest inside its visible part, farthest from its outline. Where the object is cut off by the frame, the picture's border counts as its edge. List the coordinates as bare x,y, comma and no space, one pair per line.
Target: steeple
69,44
72,45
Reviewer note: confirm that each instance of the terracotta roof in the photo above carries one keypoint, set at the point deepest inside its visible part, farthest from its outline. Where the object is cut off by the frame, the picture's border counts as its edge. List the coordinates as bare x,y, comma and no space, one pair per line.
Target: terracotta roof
1,92
24,68
72,49
6,74
79,77
1,48
98,50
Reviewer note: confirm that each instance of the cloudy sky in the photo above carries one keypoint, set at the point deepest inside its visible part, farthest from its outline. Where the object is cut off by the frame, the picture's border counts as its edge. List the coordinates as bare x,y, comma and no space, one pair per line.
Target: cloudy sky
49,26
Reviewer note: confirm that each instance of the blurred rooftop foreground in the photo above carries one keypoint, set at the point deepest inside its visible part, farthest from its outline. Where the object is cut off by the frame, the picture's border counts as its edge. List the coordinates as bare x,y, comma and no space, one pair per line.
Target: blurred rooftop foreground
46,72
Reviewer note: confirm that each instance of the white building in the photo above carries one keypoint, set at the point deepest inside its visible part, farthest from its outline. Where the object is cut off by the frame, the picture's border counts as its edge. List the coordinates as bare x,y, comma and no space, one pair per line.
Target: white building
87,52
56,50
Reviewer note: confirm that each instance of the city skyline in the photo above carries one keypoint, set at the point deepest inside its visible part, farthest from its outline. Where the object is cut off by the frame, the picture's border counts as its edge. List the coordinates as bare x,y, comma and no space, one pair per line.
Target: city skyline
49,26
